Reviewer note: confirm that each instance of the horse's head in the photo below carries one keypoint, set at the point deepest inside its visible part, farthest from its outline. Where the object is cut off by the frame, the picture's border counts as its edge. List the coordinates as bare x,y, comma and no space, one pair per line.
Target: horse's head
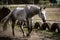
42,13
5,9
33,10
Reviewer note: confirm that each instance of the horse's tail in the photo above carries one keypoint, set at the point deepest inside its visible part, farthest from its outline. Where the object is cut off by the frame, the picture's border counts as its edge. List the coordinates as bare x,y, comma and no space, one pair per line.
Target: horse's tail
5,20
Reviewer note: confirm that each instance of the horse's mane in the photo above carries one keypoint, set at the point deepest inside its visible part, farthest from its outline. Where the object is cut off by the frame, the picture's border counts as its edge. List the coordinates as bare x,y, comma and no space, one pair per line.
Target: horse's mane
34,6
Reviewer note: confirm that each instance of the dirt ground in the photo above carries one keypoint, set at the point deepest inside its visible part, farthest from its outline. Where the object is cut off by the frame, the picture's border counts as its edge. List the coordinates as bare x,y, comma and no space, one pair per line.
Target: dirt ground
35,35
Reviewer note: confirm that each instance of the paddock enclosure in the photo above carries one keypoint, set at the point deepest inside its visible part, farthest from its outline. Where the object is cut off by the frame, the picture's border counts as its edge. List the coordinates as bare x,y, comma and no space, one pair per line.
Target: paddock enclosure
52,24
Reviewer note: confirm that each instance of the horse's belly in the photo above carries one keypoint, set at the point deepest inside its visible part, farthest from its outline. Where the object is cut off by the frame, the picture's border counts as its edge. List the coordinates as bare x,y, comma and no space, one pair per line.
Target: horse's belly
21,18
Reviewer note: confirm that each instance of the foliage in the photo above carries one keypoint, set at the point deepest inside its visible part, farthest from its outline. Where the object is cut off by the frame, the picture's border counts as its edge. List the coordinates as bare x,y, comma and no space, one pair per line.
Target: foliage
36,1
53,1
21,1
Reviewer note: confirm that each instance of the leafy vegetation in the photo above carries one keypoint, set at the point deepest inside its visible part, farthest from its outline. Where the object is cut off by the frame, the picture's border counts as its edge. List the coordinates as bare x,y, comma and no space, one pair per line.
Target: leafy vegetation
26,1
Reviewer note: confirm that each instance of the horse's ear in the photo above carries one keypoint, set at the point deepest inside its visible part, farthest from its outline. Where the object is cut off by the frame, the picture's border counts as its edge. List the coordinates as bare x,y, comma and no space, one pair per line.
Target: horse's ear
40,7
3,7
44,7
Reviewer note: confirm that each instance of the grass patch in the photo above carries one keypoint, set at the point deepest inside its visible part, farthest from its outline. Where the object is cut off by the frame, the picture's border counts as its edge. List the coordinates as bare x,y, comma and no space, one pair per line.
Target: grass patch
51,34
18,28
45,32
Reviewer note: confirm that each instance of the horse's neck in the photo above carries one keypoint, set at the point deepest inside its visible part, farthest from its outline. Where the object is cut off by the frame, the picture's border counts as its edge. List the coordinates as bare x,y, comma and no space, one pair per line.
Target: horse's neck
31,11
26,10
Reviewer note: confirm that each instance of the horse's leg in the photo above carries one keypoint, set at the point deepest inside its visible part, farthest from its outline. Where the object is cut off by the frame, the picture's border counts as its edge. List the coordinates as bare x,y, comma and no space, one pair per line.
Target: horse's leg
5,25
13,23
21,26
29,25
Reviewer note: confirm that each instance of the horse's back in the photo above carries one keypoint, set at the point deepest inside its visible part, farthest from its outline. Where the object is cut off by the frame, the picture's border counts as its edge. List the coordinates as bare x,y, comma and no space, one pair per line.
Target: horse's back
19,13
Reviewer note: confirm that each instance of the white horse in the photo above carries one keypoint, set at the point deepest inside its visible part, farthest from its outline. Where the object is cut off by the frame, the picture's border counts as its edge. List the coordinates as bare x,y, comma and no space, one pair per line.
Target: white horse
24,15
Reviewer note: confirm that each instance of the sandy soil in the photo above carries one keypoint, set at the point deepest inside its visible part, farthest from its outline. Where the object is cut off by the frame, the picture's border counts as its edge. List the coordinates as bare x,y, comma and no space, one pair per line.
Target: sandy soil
35,35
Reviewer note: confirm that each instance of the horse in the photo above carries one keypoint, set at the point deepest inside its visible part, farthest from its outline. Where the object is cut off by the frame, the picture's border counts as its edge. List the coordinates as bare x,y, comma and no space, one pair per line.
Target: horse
24,15
4,11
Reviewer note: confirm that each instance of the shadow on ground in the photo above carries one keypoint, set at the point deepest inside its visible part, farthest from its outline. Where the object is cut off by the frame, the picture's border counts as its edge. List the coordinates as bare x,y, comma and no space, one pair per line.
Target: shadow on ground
7,38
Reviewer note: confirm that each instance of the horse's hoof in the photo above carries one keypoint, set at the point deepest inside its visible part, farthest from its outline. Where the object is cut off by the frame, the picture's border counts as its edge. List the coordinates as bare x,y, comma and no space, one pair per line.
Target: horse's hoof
24,36
28,35
13,35
4,30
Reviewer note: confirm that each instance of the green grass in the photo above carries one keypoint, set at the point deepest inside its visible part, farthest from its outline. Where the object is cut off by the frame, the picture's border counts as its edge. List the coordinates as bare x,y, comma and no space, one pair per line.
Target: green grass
18,28
52,34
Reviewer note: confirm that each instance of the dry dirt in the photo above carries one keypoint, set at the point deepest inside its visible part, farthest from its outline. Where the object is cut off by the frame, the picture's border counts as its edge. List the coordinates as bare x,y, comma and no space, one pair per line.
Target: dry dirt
35,35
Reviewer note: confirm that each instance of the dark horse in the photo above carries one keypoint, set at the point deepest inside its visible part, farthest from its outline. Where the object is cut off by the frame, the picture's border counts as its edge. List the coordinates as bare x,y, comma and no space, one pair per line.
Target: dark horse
24,15
4,11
